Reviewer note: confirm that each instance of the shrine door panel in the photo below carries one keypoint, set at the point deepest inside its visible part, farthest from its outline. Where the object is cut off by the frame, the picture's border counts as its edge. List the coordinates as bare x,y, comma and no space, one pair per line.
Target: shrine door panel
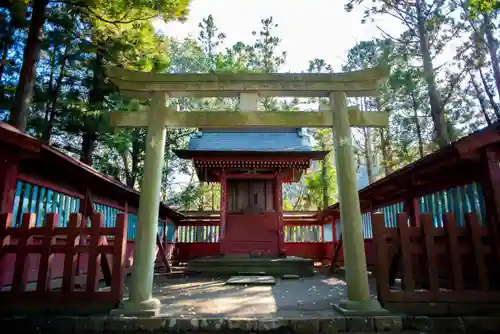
256,195
251,221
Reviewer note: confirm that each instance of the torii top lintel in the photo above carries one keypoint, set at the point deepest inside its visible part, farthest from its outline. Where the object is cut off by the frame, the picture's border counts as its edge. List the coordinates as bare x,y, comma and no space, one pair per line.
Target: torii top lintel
141,84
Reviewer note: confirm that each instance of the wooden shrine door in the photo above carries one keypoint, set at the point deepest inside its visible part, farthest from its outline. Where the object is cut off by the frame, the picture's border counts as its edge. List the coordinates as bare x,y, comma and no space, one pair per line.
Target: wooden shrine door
251,219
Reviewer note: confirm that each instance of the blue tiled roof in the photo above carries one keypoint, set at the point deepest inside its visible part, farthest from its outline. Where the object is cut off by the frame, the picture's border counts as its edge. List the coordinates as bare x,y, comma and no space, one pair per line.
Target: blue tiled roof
292,140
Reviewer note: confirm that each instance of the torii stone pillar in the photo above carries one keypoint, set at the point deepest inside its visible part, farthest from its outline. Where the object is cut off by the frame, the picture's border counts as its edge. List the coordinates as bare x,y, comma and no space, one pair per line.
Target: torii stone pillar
141,301
358,293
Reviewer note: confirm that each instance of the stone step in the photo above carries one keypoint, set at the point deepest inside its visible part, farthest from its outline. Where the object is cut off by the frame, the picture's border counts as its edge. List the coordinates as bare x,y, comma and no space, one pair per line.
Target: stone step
231,265
251,273
296,325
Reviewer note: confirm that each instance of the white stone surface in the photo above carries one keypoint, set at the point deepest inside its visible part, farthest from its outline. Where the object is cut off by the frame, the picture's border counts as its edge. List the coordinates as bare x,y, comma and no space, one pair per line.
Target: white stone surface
251,280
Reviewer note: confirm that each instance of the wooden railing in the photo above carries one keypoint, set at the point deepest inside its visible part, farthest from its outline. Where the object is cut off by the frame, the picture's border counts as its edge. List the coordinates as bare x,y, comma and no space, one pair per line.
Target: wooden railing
39,180
198,235
69,242
445,191
459,200
450,264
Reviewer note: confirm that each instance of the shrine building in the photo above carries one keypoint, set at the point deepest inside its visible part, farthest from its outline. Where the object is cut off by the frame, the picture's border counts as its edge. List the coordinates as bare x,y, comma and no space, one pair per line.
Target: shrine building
251,165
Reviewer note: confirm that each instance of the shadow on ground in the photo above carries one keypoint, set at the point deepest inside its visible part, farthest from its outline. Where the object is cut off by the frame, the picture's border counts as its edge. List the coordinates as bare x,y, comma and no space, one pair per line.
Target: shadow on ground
200,296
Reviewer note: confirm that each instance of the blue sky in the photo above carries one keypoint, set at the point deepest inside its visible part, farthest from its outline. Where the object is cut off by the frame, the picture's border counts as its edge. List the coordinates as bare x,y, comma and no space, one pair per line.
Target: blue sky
308,29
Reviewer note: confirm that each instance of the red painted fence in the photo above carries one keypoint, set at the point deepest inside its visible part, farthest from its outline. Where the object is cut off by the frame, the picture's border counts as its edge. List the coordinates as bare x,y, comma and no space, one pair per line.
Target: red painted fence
304,237
35,250
436,224
54,190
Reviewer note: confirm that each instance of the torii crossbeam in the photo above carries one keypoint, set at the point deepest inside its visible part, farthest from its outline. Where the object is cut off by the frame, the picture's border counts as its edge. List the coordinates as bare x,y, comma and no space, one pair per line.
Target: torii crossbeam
249,87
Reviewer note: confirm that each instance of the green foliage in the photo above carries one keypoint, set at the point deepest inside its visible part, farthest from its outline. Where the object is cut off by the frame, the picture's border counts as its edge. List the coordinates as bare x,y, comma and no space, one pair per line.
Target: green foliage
315,184
287,205
482,6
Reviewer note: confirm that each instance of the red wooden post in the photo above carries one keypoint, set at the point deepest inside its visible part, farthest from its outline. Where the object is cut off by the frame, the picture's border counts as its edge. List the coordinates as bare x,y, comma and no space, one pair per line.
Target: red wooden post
164,236
412,209
94,255
119,251
86,210
430,252
9,167
71,257
454,251
382,256
491,190
406,251
479,253
20,278
278,203
162,250
5,224
322,228
87,206
223,211
46,256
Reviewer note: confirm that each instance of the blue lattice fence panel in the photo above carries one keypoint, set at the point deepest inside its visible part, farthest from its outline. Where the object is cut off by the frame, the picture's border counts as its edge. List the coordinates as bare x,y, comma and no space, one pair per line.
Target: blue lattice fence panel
32,198
303,233
366,223
109,214
327,233
196,233
390,214
132,226
311,233
459,200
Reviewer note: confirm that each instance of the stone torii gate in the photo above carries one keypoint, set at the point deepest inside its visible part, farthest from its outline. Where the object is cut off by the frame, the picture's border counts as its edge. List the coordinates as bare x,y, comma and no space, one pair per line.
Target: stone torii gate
249,87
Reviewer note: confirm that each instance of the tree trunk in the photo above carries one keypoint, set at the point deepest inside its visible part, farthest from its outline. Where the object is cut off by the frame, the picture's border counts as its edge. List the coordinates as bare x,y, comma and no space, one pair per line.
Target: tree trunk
5,51
126,169
385,144
418,128
324,178
369,156
213,197
24,91
437,110
385,153
481,99
489,93
492,45
89,138
96,99
45,135
54,95
136,156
